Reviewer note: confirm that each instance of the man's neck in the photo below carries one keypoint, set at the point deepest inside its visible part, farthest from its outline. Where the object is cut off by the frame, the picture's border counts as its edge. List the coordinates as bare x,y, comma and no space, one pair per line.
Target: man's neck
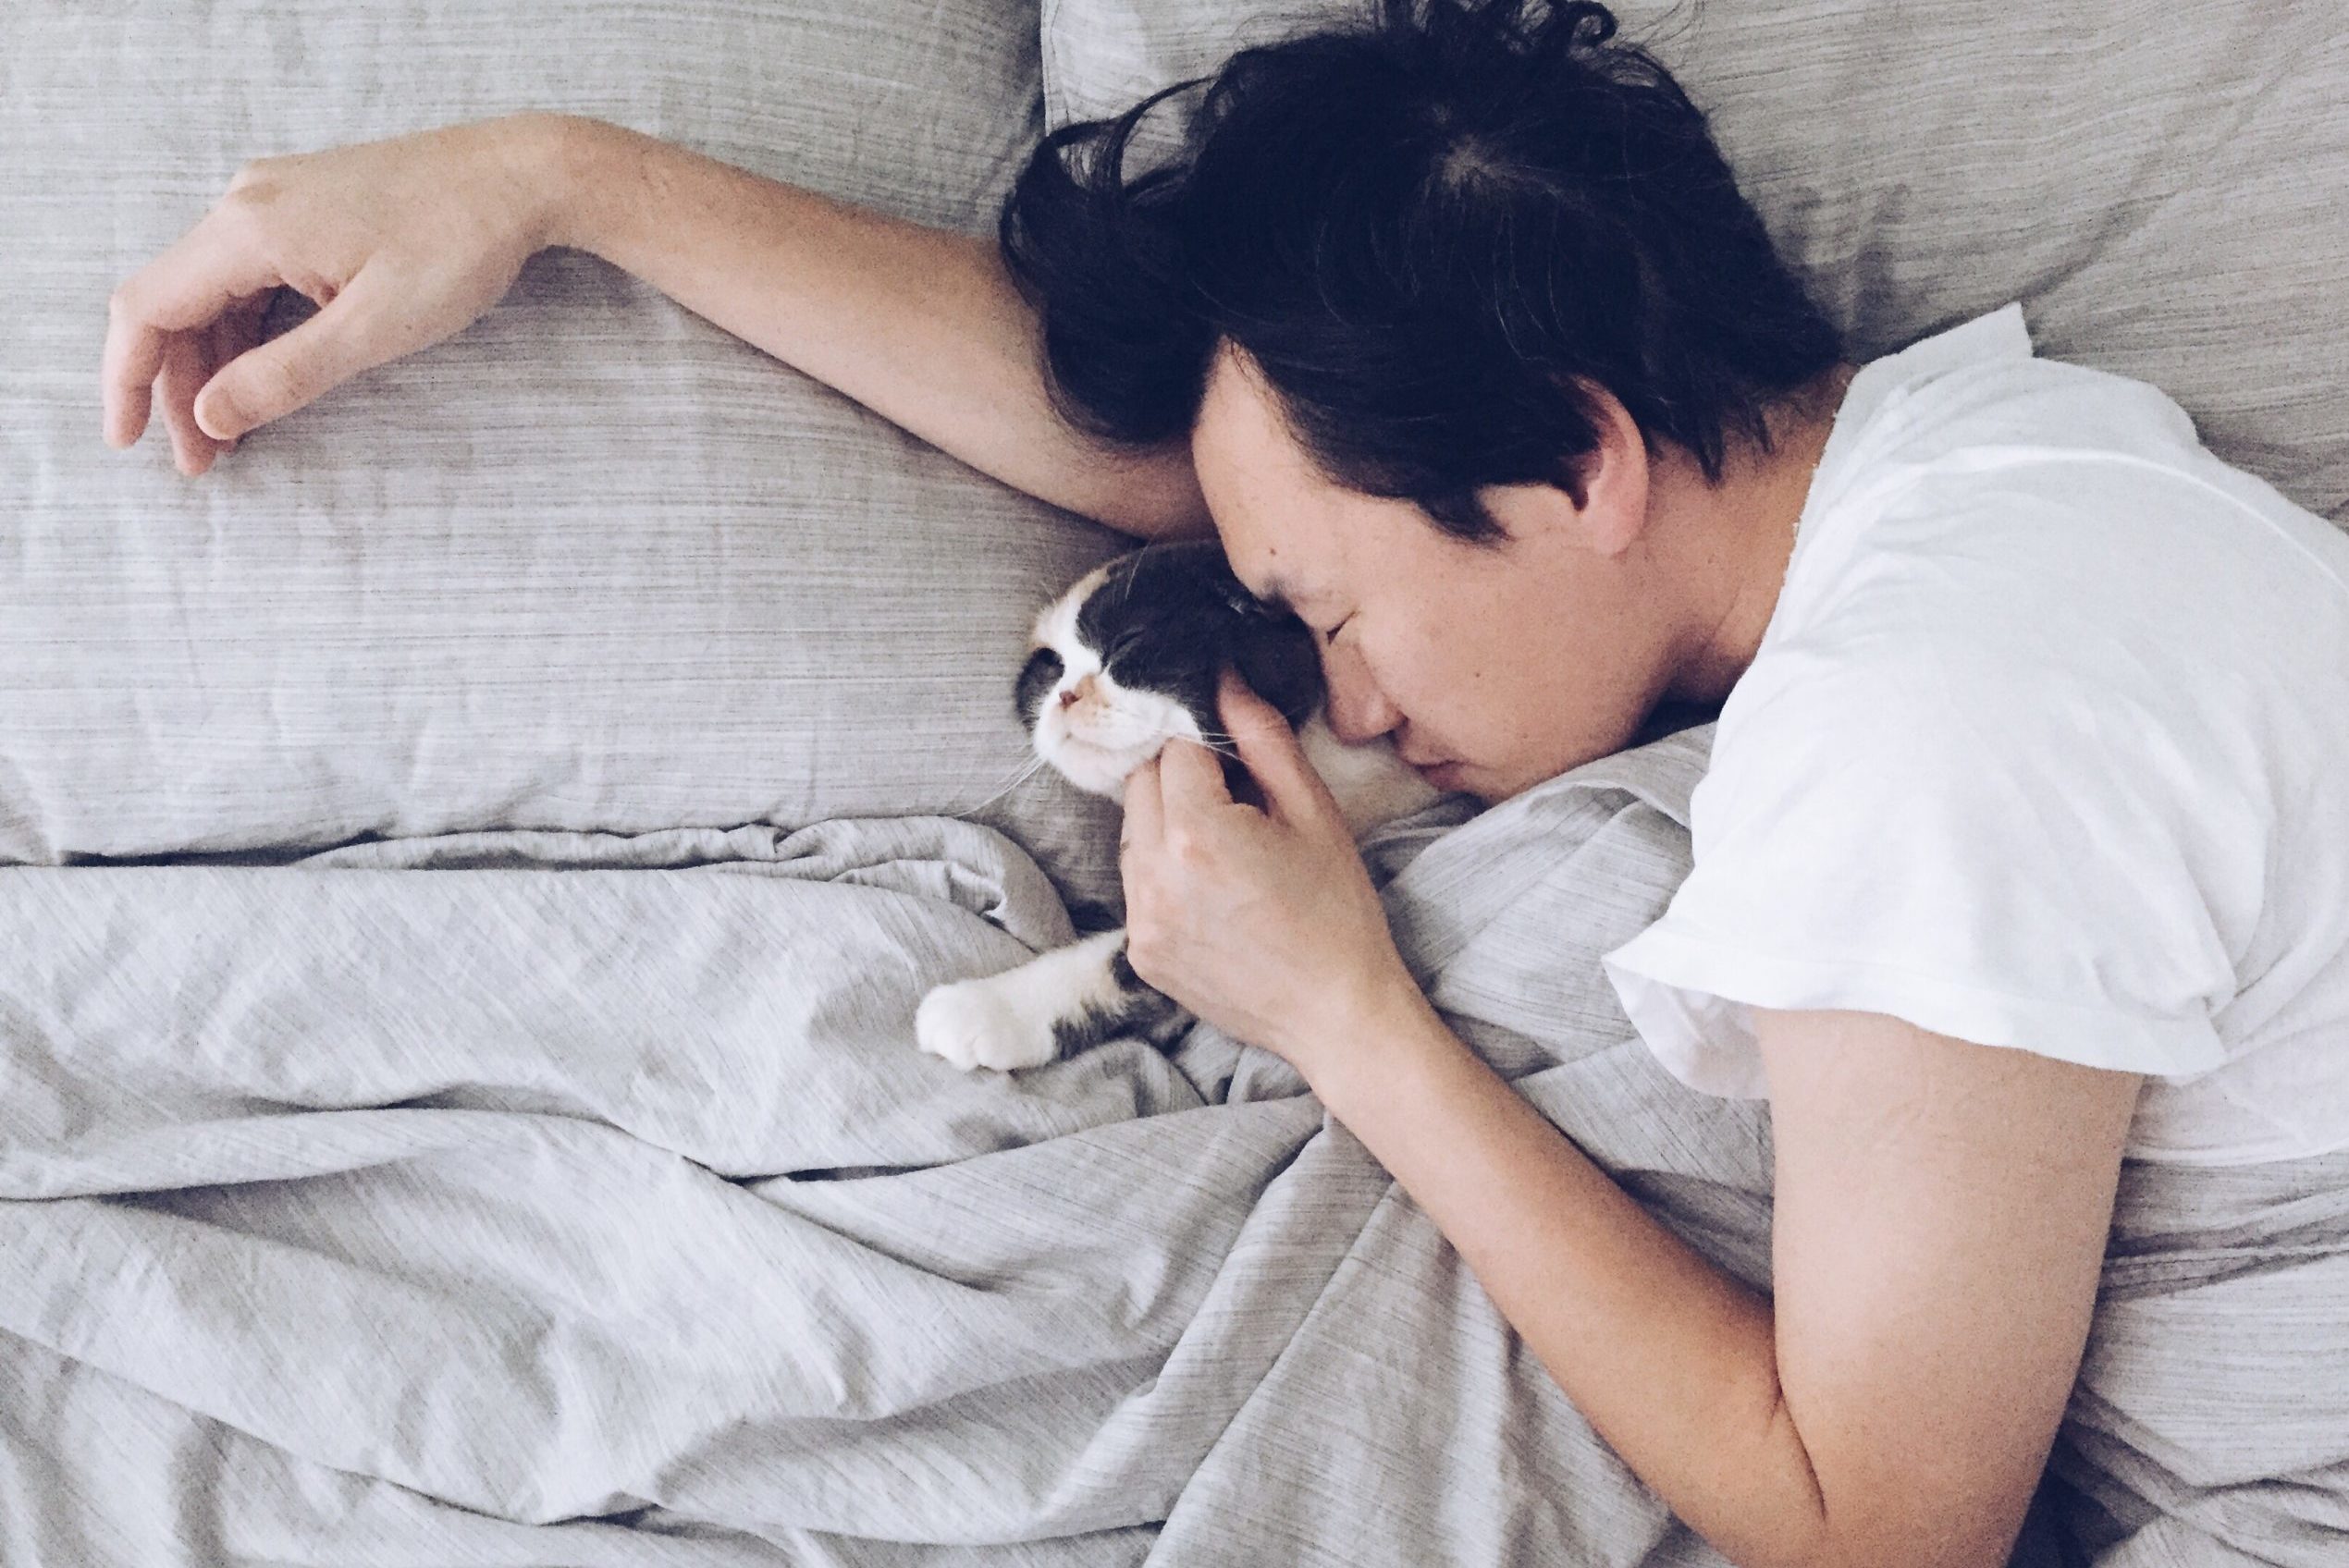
1744,540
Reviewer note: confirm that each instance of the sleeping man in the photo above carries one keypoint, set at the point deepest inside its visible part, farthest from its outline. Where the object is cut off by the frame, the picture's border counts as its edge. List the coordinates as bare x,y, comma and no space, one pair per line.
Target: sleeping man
2022,846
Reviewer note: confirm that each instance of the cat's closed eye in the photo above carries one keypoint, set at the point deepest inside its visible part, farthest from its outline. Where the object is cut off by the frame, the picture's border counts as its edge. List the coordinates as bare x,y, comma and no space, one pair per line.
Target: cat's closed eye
1039,676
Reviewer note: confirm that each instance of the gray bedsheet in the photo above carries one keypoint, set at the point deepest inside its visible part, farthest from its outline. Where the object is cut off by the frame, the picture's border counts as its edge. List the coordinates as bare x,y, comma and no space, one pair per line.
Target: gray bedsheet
548,1198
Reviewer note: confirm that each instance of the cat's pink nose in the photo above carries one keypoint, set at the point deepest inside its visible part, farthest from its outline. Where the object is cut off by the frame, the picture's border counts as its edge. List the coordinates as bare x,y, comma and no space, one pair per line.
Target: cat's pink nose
1071,695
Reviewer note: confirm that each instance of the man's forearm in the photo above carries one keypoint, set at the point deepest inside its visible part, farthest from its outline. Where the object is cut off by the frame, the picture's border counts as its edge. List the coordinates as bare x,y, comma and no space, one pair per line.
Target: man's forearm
1671,1360
920,325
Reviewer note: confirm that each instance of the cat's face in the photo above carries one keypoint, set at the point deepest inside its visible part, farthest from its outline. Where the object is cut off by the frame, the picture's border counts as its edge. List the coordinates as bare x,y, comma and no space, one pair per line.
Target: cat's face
1128,660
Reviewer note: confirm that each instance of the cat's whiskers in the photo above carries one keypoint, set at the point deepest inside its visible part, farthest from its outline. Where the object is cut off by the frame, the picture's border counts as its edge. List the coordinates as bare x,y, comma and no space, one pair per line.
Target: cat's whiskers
1223,746
1019,777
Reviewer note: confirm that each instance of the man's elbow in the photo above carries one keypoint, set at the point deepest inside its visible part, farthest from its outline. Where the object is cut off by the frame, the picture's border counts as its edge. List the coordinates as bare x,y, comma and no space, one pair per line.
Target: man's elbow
1155,513
1156,498
1870,1534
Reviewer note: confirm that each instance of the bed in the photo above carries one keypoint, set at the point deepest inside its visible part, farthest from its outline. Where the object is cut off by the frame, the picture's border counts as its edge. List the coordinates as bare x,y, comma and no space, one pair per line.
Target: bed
469,863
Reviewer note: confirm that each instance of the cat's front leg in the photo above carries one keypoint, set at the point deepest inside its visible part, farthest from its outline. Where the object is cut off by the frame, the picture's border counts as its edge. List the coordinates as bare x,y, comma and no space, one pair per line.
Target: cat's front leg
1063,1000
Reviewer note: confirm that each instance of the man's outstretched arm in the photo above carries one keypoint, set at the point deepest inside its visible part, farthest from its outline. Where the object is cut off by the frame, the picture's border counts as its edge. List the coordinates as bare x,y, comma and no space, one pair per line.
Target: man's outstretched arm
922,326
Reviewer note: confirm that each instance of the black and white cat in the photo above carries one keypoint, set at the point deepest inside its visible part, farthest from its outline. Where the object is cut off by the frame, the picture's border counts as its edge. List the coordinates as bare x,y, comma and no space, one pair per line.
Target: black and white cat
1125,660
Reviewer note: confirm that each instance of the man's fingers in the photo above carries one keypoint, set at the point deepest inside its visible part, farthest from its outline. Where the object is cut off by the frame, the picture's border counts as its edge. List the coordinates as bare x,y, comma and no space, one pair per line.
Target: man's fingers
187,361
128,401
209,268
1270,749
1190,779
184,288
1145,812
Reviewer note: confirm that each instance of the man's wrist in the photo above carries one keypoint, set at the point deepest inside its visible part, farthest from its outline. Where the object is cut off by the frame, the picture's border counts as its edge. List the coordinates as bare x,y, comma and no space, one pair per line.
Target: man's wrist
1359,1040
554,158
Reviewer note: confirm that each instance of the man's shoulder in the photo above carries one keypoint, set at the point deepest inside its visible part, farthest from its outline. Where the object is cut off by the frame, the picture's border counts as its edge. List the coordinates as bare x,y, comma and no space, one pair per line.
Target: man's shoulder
1980,385
2007,422
2039,519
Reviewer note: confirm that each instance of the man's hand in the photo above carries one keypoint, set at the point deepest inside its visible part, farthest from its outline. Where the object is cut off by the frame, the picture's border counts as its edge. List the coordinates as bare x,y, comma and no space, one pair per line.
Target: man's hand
400,243
1261,921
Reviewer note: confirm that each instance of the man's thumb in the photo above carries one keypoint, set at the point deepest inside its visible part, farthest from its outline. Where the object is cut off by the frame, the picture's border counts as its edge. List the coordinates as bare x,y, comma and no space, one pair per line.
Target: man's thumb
270,380
218,415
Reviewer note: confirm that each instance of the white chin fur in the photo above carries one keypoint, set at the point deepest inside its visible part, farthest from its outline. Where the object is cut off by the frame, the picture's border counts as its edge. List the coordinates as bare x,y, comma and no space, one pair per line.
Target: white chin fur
1102,769
1096,772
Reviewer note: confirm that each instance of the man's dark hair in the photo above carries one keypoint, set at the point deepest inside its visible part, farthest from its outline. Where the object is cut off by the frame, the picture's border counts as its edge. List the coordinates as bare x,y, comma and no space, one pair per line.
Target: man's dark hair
1428,233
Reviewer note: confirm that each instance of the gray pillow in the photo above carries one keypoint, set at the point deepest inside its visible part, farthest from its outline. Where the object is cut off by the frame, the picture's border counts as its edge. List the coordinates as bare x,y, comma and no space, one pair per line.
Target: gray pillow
2164,187
592,564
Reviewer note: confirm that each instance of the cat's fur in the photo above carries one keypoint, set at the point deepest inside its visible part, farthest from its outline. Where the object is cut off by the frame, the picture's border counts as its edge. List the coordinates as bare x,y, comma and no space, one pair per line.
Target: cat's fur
1124,661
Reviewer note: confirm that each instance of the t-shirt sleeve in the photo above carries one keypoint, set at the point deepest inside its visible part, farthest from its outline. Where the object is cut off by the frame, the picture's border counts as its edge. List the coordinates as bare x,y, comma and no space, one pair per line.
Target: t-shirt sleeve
2013,863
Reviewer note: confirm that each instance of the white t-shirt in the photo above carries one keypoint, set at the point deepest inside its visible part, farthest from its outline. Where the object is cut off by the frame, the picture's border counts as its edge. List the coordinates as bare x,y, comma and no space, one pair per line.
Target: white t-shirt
2046,746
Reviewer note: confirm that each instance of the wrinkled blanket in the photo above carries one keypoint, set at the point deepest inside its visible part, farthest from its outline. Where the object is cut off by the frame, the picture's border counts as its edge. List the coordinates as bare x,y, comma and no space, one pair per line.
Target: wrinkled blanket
549,1198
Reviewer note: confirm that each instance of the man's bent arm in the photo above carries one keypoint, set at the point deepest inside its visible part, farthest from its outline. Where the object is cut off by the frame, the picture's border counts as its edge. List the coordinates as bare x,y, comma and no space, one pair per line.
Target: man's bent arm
1940,1210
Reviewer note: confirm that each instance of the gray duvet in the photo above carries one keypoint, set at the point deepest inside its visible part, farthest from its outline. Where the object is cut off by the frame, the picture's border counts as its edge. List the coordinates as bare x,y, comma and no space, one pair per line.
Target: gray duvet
550,1198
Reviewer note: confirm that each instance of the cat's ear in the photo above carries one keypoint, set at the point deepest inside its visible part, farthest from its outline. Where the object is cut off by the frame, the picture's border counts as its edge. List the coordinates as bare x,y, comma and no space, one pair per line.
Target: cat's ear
1277,657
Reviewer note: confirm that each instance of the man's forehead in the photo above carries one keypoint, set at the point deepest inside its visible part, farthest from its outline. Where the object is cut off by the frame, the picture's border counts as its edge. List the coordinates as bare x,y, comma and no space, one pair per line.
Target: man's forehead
1259,489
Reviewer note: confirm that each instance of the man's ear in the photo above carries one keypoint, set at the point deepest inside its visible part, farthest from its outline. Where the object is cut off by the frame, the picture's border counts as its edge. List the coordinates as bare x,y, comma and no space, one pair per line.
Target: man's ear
1601,503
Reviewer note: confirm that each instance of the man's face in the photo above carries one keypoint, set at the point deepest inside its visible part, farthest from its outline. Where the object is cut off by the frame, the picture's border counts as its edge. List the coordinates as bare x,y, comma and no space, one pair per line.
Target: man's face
1506,665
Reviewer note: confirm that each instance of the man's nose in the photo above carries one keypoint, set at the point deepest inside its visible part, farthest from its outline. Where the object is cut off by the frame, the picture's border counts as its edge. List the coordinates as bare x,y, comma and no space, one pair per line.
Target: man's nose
1358,710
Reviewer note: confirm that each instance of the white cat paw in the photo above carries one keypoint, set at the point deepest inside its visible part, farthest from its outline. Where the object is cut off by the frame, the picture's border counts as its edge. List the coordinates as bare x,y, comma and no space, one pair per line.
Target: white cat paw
973,1023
